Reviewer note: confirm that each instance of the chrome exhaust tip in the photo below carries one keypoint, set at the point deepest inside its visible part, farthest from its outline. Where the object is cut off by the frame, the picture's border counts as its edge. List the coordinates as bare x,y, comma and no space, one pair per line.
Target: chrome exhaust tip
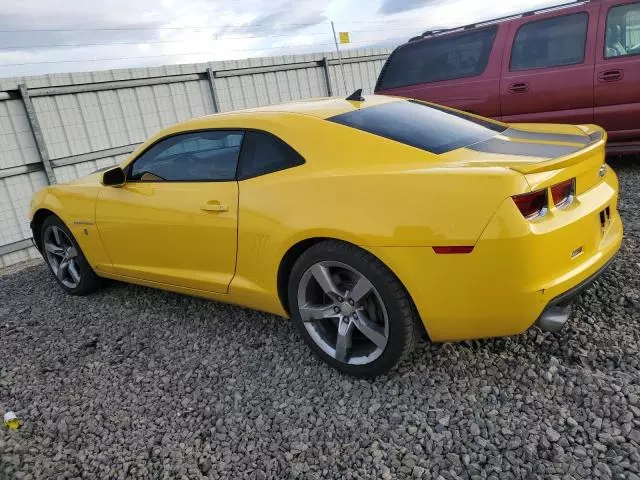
553,318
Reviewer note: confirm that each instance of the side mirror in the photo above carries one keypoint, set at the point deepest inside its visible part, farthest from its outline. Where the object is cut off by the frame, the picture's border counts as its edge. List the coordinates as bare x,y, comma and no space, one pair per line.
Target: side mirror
114,177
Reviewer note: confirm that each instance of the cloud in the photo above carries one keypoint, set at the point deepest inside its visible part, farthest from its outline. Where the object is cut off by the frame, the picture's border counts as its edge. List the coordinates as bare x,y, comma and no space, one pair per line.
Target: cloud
389,7
390,43
122,31
77,35
287,16
19,35
26,24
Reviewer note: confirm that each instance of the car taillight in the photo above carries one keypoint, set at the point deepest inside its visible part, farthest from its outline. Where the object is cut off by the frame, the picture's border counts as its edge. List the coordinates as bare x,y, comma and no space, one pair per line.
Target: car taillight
563,193
532,204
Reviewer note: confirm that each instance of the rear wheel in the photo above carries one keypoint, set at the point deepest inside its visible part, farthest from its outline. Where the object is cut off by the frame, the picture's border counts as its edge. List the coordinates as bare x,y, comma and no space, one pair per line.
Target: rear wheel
350,309
65,258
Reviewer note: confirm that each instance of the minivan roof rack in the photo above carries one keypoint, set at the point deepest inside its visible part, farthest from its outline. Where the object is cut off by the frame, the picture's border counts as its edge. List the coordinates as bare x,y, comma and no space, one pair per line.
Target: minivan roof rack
436,30
442,31
430,33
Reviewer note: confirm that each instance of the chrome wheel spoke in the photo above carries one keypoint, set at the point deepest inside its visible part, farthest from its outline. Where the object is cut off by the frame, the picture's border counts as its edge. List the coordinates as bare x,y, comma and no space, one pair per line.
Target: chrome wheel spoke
62,256
323,277
55,249
310,313
369,329
74,271
56,235
361,289
340,325
63,266
343,340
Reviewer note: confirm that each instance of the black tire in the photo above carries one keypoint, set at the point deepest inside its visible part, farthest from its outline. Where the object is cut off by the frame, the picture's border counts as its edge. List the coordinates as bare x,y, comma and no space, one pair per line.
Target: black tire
89,281
403,327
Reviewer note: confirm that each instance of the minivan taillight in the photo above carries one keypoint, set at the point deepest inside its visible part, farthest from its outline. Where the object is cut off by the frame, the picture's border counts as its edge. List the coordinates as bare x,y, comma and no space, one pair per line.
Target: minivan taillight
563,193
532,204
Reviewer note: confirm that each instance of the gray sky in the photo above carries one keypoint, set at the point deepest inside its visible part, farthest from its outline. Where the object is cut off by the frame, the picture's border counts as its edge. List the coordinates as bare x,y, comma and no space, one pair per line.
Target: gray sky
47,36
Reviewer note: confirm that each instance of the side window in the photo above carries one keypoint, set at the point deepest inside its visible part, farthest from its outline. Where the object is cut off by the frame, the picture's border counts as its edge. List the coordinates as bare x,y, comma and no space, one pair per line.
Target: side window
554,42
441,58
622,37
205,156
263,153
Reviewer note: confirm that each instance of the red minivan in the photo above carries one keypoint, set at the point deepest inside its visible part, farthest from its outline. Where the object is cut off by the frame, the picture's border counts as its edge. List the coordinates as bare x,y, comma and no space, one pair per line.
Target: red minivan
577,63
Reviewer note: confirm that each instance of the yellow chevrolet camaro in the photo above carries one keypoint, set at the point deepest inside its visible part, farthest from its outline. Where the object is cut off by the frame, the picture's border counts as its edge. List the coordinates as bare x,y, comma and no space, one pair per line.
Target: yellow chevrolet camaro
365,220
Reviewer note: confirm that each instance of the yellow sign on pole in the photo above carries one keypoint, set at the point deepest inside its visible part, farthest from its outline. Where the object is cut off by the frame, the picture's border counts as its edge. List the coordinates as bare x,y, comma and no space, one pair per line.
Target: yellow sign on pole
344,37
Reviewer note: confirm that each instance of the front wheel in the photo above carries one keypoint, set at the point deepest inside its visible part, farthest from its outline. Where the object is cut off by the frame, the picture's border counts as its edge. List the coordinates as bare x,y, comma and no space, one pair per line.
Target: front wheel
65,258
351,309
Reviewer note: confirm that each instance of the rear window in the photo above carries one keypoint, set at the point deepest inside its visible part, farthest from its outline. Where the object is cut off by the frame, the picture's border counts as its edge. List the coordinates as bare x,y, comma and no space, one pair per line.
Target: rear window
554,42
427,127
440,58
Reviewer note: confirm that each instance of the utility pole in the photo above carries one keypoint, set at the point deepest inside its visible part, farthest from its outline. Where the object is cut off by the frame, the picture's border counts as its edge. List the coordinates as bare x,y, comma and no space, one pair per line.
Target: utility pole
344,78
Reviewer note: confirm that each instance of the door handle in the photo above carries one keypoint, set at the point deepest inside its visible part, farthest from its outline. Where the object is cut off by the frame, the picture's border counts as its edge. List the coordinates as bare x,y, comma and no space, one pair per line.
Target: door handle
519,87
214,206
610,75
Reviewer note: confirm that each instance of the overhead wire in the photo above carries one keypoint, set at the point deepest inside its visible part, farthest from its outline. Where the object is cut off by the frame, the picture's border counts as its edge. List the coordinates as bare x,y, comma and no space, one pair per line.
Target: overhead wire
170,55
215,38
193,27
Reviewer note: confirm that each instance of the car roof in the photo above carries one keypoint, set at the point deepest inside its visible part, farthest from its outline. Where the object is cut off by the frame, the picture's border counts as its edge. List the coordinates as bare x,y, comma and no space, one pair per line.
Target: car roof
317,107
312,109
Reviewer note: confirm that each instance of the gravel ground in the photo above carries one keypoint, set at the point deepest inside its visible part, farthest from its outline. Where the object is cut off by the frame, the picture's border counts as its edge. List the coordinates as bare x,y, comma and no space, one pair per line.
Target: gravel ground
137,383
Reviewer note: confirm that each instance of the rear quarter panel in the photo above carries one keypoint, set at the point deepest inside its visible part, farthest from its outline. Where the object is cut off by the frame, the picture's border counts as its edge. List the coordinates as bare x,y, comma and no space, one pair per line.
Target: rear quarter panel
365,190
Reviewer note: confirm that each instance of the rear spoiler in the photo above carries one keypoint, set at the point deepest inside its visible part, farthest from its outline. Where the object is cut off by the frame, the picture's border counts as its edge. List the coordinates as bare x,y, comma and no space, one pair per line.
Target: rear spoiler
597,141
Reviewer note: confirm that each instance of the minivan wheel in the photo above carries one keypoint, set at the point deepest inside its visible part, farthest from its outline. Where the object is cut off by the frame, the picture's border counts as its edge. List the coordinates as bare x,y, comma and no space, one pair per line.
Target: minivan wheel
65,259
350,309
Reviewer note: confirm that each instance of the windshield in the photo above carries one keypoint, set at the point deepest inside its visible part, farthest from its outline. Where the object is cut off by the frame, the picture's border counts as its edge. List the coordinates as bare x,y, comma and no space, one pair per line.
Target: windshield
427,127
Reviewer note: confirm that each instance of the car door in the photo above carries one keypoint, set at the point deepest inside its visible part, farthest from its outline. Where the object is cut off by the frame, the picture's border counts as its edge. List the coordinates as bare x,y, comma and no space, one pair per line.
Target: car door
617,73
548,68
175,219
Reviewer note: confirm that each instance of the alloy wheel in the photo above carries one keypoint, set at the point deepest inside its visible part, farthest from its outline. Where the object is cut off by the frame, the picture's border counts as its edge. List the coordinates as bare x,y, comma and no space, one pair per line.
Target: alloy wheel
62,256
343,312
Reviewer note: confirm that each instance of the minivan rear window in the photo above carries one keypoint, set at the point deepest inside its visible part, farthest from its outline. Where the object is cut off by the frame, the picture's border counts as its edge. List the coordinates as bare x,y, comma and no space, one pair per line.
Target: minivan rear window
427,127
440,58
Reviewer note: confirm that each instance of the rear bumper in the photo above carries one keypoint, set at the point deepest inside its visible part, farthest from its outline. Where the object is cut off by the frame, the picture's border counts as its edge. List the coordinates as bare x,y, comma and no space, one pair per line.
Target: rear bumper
568,297
559,309
516,271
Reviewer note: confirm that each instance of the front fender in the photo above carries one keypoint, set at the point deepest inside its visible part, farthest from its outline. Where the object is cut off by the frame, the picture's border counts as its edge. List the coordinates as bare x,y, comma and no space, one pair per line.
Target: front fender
39,201
75,205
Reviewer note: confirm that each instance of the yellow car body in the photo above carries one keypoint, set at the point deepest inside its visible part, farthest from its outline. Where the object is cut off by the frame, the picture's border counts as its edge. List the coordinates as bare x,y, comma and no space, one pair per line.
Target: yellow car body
393,200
